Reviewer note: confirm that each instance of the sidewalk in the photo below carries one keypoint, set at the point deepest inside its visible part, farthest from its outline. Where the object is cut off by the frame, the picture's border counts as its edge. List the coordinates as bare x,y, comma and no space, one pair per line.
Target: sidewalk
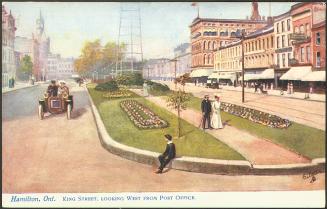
295,95
306,112
256,150
18,85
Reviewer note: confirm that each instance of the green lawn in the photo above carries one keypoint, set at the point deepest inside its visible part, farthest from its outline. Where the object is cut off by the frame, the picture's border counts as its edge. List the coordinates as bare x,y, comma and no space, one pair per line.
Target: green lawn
302,139
194,142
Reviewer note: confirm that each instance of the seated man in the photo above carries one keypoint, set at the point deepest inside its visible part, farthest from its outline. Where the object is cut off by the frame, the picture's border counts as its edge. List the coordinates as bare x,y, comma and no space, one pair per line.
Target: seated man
63,88
168,155
52,88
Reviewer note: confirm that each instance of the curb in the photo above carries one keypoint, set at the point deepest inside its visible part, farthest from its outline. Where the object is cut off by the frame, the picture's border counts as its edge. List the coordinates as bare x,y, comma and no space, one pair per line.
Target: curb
200,165
20,88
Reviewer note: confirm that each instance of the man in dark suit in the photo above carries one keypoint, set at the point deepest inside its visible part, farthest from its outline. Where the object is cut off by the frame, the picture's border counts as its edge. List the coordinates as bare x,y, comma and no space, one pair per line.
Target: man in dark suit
53,88
206,110
168,155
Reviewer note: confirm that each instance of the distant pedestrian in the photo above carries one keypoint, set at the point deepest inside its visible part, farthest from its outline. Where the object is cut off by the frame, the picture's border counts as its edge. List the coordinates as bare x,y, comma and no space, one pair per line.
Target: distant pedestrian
168,155
206,110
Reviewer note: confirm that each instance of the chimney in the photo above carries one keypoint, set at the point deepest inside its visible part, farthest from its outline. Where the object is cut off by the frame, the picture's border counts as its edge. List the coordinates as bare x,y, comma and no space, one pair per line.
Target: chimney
270,20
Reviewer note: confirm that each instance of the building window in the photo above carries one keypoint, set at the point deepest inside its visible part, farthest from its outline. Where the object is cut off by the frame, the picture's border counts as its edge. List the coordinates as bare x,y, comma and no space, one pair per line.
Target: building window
318,38
283,41
283,60
318,59
288,25
296,29
302,29
259,44
302,54
277,27
308,31
263,43
277,59
288,58
277,42
282,26
272,42
308,54
289,40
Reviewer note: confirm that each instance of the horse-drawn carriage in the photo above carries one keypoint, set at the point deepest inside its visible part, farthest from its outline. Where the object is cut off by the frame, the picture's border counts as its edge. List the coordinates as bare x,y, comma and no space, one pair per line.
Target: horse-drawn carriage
56,104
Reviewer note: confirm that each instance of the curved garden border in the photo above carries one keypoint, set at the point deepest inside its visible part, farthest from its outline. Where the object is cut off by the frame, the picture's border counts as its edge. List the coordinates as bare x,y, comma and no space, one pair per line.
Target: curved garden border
201,165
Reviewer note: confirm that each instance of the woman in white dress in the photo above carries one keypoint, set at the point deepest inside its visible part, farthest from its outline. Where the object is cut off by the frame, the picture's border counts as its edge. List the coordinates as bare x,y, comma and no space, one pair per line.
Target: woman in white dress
216,118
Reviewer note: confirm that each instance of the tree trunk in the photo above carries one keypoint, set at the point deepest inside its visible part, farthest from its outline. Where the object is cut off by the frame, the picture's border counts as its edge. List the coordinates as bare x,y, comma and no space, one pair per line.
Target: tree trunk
179,122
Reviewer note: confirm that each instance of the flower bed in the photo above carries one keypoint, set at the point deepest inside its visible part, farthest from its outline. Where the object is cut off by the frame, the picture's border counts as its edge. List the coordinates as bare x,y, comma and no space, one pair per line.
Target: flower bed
255,116
117,94
141,116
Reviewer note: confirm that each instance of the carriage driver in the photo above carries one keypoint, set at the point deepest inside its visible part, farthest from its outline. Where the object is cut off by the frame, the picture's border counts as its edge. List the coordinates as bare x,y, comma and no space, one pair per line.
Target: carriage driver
52,88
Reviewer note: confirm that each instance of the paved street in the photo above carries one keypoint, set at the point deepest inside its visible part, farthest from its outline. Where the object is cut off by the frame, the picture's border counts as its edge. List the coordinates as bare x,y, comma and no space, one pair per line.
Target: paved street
310,113
57,155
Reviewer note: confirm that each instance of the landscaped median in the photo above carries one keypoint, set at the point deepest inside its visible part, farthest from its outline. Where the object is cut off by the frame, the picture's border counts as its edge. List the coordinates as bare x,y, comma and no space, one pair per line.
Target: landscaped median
304,140
144,146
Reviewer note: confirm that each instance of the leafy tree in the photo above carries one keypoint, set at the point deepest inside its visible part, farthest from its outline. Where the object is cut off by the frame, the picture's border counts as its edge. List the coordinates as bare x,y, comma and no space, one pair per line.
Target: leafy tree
178,101
26,66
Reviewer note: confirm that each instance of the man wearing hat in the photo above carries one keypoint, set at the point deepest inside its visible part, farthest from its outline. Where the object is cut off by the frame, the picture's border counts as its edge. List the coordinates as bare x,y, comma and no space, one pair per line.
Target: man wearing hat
206,110
168,155
52,89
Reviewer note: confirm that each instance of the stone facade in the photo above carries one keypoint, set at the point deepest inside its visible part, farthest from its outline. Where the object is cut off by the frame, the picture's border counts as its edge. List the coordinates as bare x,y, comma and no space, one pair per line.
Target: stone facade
8,55
183,59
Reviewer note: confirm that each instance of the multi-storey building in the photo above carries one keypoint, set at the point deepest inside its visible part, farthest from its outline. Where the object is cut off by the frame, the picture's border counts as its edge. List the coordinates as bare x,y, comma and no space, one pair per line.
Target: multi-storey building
41,49
208,34
259,48
183,59
283,28
306,18
59,68
228,63
8,55
157,69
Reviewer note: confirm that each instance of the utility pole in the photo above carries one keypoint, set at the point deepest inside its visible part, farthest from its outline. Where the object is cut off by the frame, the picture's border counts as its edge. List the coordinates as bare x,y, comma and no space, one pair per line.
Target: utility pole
242,39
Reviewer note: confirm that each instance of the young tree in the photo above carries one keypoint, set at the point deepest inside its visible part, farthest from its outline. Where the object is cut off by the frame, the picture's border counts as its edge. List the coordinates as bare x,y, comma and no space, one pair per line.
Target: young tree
26,66
178,101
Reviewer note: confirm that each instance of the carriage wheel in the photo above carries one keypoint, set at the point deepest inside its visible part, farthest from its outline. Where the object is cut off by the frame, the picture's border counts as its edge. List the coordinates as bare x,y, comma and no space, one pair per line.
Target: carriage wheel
41,112
69,111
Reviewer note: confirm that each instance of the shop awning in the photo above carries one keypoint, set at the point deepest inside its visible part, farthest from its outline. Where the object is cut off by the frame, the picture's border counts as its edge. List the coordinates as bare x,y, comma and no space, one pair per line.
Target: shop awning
315,76
296,73
266,74
213,75
249,76
230,76
201,73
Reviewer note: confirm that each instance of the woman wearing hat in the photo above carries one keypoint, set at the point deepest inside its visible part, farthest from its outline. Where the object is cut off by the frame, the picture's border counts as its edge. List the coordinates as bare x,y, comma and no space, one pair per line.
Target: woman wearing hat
216,118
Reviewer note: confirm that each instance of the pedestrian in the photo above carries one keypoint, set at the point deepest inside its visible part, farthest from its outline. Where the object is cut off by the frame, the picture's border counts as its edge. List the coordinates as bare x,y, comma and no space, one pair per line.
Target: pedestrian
291,88
216,118
145,89
206,110
168,154
255,87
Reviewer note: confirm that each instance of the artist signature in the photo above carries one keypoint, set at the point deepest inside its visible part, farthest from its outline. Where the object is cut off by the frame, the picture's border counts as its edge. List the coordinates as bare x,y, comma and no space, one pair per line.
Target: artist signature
312,175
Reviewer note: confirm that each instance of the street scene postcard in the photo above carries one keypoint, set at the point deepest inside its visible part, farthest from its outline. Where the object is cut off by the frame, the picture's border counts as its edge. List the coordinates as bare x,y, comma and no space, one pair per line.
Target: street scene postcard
163,104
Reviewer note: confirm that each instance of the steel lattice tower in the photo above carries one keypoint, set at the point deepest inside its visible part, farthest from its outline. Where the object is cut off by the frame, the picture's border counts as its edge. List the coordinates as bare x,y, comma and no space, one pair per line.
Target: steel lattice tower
130,57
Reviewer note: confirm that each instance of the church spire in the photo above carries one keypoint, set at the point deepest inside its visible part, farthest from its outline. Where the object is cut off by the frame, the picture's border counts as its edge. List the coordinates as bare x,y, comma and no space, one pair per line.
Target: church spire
40,24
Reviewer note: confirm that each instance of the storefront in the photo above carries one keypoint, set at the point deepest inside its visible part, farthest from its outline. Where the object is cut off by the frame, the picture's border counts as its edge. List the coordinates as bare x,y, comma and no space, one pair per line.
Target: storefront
200,76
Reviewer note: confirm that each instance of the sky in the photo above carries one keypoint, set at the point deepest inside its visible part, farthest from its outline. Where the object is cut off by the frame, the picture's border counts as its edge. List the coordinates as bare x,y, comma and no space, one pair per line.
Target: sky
164,25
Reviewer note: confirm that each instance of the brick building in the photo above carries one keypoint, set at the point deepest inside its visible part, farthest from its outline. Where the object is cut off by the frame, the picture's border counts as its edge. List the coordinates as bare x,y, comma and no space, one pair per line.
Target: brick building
208,34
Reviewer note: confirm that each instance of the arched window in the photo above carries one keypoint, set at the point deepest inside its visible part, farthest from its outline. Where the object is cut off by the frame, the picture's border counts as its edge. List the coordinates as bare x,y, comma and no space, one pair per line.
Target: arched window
209,45
204,45
204,59
214,45
209,59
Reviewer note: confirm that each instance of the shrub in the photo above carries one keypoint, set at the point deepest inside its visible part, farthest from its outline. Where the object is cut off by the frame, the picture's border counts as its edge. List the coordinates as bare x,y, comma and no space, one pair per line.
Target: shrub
157,86
130,79
107,86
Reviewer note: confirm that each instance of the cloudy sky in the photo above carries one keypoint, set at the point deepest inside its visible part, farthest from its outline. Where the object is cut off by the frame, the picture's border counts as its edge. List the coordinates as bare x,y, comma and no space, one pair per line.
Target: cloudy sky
164,24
